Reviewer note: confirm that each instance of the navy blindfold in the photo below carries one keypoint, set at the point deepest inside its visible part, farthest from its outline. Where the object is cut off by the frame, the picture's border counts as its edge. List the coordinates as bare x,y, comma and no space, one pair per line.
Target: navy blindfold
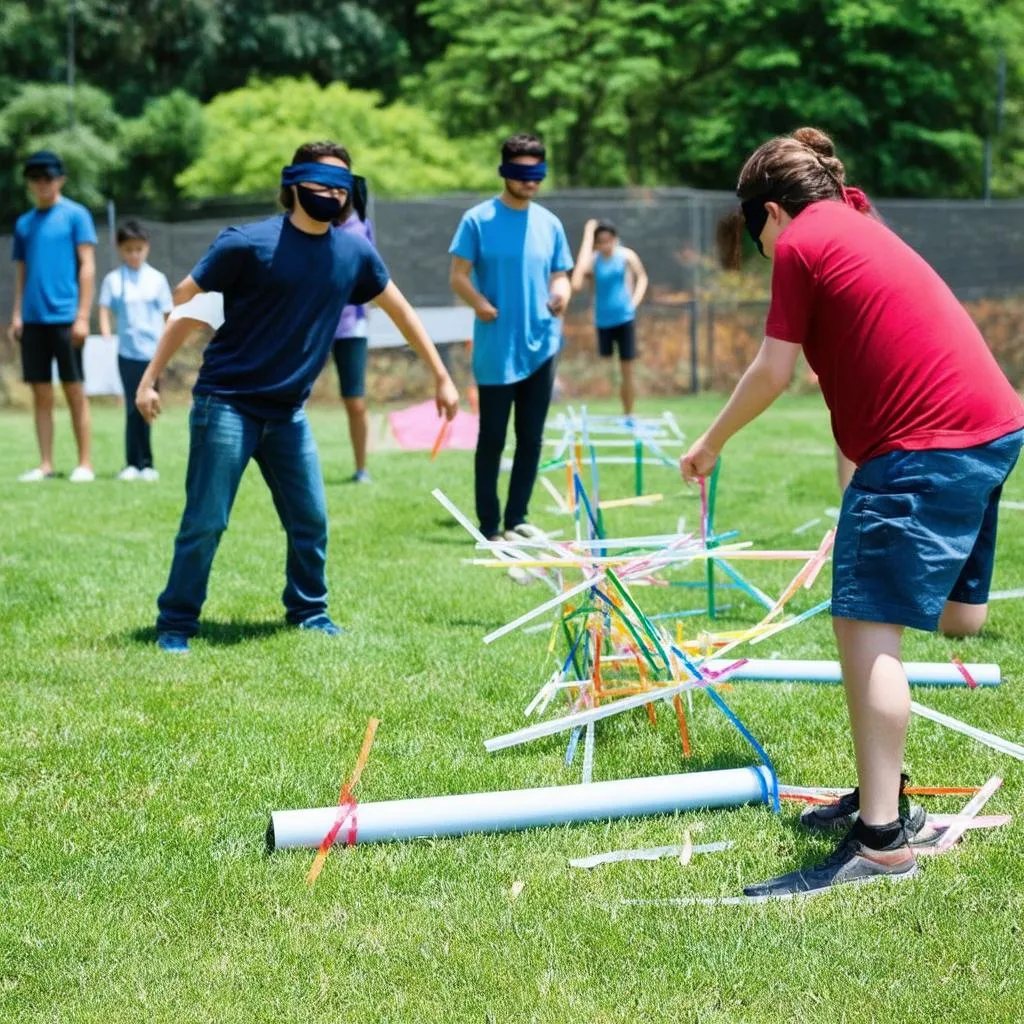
524,172
328,175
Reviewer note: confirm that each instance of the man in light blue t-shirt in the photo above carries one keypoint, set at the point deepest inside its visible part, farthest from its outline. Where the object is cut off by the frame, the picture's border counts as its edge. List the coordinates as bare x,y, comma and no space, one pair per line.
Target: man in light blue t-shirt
54,272
511,263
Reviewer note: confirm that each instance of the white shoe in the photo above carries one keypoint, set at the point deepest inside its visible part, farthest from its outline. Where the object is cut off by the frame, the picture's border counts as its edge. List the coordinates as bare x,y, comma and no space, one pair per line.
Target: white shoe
128,473
34,476
82,475
149,474
525,531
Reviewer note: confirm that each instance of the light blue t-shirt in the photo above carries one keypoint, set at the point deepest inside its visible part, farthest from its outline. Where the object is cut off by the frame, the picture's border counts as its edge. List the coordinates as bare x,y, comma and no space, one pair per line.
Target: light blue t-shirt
613,303
514,253
139,299
45,241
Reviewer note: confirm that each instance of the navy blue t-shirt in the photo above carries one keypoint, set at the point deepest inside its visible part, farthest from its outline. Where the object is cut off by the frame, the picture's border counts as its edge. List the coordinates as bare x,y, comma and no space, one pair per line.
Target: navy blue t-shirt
284,291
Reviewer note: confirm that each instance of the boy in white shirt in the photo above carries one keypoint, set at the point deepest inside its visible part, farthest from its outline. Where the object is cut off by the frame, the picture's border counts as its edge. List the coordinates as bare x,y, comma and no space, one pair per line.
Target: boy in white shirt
139,298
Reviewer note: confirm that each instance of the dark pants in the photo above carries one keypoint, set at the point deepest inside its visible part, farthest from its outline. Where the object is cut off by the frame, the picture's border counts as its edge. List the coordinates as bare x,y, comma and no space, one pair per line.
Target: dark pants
223,440
138,452
531,398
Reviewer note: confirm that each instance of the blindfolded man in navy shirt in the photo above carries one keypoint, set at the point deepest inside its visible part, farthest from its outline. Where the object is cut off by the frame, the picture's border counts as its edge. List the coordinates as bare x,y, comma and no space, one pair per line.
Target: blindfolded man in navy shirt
285,281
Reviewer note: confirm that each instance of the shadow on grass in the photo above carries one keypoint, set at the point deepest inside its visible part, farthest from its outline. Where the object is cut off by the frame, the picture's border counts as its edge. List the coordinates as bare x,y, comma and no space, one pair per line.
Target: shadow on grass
221,634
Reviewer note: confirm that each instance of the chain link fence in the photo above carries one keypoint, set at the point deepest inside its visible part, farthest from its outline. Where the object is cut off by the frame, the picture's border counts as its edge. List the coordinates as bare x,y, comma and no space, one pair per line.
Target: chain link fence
698,327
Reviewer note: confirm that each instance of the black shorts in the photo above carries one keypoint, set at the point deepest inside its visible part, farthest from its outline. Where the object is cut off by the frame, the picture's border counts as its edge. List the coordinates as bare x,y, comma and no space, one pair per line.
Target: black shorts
623,337
40,345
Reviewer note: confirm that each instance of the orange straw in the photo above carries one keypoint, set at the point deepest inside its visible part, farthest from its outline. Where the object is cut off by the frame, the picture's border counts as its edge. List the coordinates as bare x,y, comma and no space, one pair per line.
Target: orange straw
684,733
346,803
442,436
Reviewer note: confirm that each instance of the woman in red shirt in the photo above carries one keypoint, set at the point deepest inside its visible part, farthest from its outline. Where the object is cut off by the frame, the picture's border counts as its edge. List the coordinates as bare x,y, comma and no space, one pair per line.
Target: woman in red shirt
920,406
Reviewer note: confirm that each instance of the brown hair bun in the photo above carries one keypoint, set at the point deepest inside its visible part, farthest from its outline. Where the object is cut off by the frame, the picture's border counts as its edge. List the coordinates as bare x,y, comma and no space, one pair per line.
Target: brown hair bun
824,148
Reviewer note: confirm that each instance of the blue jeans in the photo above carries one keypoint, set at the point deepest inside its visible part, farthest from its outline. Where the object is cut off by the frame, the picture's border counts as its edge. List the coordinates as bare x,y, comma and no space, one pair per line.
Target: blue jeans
223,440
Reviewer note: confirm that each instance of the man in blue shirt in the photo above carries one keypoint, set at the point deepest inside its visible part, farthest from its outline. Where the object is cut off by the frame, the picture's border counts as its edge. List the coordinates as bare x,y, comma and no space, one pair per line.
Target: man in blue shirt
510,263
285,281
54,273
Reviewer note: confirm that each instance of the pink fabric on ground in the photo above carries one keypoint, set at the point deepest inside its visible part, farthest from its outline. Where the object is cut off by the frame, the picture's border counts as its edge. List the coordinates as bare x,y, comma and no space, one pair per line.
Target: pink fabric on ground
416,428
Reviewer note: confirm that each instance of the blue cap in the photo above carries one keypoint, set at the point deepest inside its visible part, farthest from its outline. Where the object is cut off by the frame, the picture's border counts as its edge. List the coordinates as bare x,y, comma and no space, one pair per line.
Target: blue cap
44,160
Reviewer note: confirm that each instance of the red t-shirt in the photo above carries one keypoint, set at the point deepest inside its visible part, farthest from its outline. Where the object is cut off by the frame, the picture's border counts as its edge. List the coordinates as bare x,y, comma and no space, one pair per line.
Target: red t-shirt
900,362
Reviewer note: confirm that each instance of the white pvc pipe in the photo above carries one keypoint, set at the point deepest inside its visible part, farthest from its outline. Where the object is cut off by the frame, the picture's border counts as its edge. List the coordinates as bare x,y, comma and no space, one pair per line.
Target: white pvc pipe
919,673
435,816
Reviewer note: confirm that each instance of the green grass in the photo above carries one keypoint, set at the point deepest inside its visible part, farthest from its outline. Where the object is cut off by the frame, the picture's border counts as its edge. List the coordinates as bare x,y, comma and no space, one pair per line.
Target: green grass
135,787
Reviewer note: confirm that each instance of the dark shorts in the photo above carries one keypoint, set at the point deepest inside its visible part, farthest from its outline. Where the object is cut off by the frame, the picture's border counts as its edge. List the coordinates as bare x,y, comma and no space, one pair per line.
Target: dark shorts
350,359
918,529
621,337
40,345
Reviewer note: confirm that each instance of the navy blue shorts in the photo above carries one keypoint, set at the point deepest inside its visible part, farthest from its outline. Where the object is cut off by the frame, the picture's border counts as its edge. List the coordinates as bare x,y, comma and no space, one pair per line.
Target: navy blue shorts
350,359
918,529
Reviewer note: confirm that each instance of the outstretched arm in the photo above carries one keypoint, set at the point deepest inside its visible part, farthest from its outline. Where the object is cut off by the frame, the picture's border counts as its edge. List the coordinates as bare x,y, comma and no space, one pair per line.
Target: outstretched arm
404,317
765,379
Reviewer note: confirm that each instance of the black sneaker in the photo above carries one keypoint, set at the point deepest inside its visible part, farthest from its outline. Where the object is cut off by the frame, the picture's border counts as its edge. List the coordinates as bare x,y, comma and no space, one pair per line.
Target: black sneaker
853,863
841,816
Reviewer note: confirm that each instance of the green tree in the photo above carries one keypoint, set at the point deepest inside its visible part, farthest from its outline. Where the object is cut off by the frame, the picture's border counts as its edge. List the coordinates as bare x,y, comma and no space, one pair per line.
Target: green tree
251,134
680,93
37,118
138,50
322,39
158,146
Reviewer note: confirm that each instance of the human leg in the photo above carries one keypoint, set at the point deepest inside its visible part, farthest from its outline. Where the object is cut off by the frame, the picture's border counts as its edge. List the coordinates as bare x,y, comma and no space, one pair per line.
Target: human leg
42,409
37,372
288,459
495,407
138,450
878,701
532,400
626,343
222,440
350,357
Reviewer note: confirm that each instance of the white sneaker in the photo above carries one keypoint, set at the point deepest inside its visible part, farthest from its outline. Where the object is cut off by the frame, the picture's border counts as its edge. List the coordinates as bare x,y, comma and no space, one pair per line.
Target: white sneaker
128,473
34,476
149,474
82,475
525,531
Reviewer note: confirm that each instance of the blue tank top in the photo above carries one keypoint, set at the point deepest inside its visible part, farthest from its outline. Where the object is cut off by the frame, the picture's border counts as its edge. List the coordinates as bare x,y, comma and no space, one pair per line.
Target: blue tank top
613,303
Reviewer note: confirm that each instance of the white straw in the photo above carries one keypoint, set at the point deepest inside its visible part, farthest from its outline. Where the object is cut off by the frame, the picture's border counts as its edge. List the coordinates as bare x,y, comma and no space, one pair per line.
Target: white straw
558,599
989,739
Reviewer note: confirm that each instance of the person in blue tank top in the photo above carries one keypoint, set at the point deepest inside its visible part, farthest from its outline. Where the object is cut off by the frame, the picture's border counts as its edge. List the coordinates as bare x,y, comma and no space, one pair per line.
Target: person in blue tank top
620,283
285,281
510,262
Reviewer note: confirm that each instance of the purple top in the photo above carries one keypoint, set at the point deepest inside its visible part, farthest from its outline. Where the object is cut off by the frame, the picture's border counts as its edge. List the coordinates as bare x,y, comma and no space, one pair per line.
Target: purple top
352,315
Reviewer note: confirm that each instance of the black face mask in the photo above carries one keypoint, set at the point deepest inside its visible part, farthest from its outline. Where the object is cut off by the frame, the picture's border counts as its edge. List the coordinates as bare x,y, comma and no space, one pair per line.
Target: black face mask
755,213
319,206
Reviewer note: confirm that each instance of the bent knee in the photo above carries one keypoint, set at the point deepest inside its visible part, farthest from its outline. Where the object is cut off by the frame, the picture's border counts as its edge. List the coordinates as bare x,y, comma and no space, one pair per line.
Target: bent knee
961,620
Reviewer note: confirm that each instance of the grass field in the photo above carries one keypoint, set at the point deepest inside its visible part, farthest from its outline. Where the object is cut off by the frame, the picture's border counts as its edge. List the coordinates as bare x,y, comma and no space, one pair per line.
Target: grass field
135,787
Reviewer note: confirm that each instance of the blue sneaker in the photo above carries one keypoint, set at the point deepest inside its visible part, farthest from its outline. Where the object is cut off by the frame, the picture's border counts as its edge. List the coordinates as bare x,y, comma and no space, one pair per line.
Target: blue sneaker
322,624
361,477
173,643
